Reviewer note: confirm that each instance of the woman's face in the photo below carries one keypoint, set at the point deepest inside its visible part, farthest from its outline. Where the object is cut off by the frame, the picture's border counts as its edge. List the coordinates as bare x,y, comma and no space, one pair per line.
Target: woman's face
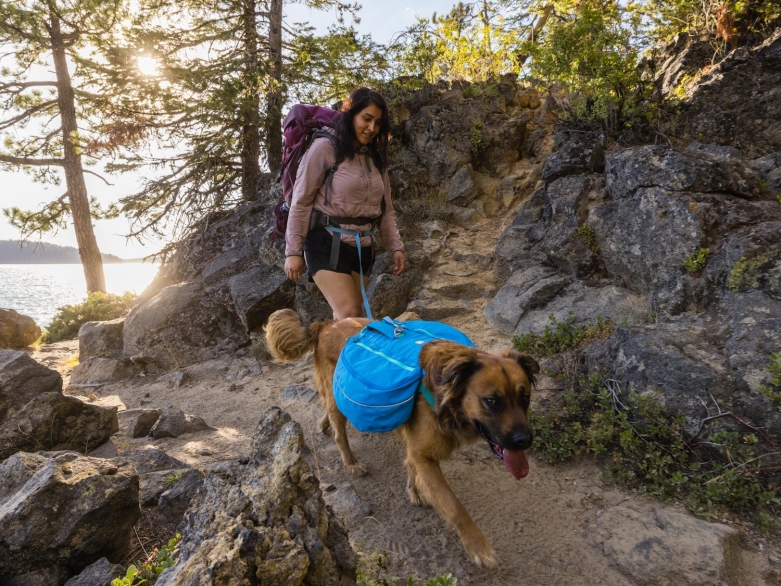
367,124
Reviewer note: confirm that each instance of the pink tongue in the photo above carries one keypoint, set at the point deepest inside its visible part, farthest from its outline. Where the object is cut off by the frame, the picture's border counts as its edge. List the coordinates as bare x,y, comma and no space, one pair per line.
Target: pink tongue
516,462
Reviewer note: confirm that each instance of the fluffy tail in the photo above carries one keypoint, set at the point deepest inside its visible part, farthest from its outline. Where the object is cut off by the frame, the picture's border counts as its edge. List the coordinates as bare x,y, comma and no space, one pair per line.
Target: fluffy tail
287,338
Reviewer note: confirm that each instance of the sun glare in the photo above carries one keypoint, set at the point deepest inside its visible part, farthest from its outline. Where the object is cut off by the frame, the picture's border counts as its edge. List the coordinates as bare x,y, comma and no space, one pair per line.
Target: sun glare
148,65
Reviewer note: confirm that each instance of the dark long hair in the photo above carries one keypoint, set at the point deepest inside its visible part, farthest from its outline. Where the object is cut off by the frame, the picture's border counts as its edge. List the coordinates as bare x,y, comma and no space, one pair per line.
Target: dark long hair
360,99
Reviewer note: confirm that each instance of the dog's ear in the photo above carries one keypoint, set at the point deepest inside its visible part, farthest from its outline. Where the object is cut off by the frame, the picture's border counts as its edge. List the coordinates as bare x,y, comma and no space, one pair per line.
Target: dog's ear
448,366
526,362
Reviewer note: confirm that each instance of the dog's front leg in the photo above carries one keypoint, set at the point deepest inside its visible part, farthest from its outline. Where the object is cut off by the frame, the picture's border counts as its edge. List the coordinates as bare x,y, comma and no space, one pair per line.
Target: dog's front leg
339,425
433,489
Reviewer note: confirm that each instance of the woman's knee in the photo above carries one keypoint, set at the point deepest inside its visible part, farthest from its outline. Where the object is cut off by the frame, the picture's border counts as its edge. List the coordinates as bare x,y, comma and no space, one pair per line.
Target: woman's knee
348,310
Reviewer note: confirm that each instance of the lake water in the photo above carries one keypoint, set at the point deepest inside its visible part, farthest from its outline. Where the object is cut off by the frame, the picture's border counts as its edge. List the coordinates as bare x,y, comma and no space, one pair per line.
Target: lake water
38,290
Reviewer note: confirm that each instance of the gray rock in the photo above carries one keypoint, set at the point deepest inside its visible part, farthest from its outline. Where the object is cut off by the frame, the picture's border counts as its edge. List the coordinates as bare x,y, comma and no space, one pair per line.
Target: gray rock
264,520
193,424
390,294
301,393
523,292
346,503
17,330
736,102
769,168
21,379
152,460
437,310
139,422
585,305
101,573
101,339
660,547
183,324
714,150
171,423
578,154
629,170
106,451
174,501
52,421
259,292
462,189
96,502
95,370
681,57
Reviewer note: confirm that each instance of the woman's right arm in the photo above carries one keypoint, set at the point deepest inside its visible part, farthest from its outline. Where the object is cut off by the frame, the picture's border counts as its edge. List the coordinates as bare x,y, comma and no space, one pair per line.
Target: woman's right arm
311,175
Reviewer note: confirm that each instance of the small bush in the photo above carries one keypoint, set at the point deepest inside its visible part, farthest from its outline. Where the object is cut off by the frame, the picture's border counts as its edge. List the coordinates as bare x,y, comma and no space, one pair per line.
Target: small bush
373,571
773,390
476,139
97,307
560,336
587,233
148,572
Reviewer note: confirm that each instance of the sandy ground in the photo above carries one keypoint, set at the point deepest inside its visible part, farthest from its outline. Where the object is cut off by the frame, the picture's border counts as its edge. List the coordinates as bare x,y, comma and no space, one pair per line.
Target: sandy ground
539,526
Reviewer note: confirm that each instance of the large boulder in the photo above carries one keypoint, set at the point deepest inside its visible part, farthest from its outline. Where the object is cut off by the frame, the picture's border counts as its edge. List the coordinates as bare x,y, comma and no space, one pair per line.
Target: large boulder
59,513
183,324
738,100
17,330
52,421
263,520
652,546
101,339
21,379
259,292
95,370
101,573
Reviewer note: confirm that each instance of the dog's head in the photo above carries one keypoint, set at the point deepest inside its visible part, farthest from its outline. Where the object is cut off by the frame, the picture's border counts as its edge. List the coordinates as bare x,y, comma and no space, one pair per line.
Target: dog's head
484,392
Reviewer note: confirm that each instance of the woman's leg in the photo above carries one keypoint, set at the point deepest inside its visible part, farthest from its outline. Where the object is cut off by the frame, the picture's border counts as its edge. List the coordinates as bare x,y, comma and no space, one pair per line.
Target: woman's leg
342,293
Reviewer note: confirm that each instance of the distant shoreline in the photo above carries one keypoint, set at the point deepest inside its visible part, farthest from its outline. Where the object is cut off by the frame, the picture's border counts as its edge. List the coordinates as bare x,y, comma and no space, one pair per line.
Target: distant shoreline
12,252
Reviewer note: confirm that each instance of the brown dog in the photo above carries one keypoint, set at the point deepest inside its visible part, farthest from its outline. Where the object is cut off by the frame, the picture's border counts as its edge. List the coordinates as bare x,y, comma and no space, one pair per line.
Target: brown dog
477,395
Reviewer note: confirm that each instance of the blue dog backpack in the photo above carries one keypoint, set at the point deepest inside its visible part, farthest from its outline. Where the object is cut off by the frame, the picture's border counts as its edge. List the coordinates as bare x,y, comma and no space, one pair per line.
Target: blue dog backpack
378,371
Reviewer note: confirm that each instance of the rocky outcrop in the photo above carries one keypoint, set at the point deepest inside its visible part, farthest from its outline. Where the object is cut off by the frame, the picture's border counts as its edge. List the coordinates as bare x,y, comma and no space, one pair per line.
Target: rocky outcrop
737,102
263,520
52,421
96,505
101,339
17,330
101,573
21,379
642,542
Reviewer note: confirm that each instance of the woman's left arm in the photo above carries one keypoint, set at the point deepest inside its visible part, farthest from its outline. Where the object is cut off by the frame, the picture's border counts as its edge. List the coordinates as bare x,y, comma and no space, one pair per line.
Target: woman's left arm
389,231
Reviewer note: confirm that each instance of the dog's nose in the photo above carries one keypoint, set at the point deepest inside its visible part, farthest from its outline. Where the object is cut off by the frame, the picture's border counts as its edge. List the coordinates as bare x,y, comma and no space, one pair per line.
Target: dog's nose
521,439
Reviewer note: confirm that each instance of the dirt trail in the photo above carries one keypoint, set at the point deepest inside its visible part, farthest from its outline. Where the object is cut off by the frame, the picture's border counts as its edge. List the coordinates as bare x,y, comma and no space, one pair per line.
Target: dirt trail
539,526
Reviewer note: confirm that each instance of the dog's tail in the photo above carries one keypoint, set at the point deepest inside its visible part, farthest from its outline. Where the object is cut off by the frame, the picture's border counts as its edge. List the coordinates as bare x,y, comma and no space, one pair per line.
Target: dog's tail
287,338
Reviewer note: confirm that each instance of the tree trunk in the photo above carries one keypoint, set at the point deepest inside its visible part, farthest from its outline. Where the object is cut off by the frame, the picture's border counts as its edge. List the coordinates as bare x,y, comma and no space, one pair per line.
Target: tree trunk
89,252
250,131
274,107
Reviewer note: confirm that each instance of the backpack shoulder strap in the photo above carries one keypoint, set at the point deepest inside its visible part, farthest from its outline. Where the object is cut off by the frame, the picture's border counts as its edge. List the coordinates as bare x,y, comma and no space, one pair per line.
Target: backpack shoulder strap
338,158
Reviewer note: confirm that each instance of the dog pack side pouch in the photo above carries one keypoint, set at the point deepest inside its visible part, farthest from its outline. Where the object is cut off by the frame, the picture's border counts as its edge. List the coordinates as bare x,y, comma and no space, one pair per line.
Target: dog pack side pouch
378,371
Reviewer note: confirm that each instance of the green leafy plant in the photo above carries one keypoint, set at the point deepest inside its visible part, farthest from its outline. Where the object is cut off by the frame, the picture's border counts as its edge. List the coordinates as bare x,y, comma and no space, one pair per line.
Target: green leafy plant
645,447
476,139
696,261
148,572
175,477
773,390
373,571
560,336
587,233
97,307
744,273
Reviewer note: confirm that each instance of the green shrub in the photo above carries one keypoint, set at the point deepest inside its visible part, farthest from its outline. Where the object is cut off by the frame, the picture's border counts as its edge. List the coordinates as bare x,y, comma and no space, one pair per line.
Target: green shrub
560,336
587,233
97,307
148,572
476,139
773,390
373,571
643,446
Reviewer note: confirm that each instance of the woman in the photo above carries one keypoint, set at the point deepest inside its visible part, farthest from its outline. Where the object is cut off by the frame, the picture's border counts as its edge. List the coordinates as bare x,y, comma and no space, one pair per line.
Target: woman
357,189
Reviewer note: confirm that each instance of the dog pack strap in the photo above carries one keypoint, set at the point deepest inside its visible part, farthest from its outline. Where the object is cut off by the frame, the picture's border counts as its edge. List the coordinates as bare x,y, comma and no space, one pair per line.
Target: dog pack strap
388,329
427,394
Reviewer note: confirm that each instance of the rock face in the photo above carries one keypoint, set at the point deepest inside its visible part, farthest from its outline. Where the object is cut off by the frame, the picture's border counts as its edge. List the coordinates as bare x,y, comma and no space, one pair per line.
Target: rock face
21,379
17,330
263,521
96,506
737,102
101,339
52,421
642,543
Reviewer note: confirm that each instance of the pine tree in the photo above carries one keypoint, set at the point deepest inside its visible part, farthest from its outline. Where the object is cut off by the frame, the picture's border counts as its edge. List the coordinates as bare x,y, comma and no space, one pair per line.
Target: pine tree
41,113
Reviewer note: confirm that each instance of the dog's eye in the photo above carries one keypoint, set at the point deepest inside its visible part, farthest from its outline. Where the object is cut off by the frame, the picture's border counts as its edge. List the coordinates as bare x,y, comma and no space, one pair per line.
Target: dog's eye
491,403
526,399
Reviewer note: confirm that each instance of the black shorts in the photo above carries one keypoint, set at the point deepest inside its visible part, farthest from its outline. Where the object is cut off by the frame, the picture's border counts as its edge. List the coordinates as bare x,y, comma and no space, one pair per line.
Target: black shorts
317,253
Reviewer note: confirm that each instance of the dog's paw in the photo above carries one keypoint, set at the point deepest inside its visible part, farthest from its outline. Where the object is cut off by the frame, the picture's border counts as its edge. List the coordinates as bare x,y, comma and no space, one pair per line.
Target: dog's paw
414,497
356,469
325,425
481,553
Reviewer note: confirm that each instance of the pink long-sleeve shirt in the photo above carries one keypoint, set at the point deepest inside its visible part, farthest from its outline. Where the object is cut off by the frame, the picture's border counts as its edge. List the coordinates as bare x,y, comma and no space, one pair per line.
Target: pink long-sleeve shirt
357,190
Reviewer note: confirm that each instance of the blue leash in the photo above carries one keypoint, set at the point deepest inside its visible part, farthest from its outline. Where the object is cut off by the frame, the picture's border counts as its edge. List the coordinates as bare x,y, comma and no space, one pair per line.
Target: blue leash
358,235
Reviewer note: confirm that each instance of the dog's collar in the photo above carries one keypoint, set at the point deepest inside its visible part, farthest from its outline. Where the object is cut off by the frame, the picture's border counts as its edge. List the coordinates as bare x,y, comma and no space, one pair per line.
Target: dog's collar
427,395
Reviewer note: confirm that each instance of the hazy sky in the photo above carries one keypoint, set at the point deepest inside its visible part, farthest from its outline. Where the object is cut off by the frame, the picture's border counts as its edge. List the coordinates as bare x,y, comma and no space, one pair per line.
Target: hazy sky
380,18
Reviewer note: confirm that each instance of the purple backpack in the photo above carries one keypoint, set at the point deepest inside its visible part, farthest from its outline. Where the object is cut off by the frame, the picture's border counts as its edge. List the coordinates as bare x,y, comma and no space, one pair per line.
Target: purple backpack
301,126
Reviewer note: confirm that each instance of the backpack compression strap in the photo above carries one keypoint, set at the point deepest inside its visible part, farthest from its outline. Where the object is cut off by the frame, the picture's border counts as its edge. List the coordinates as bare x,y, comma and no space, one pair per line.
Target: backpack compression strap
338,157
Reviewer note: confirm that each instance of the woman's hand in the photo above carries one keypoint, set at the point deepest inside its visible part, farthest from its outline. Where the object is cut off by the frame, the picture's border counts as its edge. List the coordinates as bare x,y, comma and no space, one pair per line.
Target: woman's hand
399,262
294,268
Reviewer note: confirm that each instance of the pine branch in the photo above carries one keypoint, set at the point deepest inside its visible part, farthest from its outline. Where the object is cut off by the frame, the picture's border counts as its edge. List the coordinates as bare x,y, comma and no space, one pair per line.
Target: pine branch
32,162
26,114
